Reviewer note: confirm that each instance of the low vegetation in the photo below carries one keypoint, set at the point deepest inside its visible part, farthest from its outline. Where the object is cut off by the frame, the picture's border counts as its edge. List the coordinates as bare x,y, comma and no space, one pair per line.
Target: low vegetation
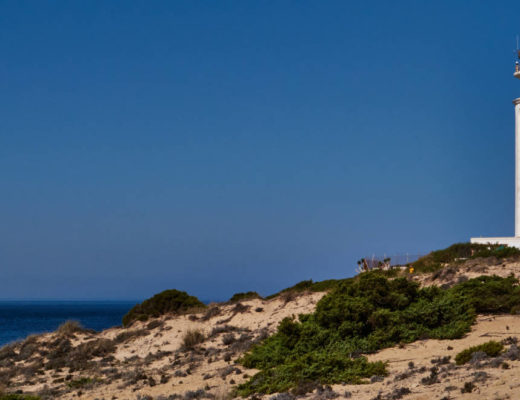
170,301
323,286
79,383
78,358
192,338
309,286
69,328
365,314
244,296
462,251
308,352
491,348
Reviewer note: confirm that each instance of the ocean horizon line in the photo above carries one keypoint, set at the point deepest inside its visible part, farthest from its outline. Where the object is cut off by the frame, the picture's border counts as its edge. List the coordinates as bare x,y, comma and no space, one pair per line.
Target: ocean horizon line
80,300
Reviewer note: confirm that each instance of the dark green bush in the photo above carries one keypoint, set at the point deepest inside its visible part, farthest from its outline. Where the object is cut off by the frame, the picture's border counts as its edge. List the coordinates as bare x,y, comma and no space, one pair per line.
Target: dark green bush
18,397
169,301
491,348
310,286
363,315
244,296
326,285
491,294
314,366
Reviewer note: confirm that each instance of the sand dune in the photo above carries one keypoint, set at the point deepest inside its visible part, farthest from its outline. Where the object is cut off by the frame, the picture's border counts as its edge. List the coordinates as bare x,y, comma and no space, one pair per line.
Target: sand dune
149,360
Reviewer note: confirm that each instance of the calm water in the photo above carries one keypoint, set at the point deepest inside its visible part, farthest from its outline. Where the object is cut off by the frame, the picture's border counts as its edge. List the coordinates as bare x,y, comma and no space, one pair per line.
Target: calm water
21,318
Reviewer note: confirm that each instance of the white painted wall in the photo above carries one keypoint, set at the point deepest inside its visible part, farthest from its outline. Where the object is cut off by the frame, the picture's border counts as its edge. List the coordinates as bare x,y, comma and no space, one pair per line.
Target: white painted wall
517,167
511,241
508,241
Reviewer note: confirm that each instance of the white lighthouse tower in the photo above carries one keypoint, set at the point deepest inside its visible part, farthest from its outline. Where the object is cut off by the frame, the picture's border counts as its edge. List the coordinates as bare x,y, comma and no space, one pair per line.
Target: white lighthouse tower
511,241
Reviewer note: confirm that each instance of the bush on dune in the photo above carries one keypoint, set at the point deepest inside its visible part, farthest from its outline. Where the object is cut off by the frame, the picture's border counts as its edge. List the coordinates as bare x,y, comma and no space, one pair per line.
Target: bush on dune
491,294
309,286
169,301
326,285
491,348
244,296
363,315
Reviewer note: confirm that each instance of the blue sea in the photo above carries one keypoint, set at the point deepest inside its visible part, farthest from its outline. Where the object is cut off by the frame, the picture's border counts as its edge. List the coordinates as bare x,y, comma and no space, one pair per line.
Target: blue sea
21,318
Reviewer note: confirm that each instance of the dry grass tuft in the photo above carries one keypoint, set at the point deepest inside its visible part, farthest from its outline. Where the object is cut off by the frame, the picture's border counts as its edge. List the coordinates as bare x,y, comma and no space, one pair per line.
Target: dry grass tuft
69,328
128,335
192,338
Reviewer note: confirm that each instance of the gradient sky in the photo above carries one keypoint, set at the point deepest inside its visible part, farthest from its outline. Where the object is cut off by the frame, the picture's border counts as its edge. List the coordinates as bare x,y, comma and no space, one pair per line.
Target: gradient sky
218,147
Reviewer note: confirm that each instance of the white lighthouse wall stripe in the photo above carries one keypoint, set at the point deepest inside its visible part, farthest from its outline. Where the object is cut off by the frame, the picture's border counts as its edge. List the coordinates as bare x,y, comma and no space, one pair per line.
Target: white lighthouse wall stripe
515,240
517,167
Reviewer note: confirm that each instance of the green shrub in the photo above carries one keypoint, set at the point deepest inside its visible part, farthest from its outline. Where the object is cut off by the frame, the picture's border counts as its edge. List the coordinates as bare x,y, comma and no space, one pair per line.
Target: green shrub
169,301
491,294
314,366
244,296
491,348
18,397
310,286
363,315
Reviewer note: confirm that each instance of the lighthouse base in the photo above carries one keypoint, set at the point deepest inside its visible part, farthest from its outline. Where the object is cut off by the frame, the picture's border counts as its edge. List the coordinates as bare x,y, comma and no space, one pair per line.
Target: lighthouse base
506,241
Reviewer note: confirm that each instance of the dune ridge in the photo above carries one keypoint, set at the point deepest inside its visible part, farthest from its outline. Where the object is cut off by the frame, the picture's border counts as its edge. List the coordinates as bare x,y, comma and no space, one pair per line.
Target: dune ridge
197,355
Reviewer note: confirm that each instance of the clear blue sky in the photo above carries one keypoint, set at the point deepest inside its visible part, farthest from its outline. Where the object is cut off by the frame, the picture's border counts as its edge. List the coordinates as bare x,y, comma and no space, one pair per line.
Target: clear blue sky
218,147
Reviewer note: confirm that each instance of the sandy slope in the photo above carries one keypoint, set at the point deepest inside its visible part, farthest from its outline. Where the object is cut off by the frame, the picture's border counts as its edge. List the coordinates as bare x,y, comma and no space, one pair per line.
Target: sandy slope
501,384
148,359
158,355
471,269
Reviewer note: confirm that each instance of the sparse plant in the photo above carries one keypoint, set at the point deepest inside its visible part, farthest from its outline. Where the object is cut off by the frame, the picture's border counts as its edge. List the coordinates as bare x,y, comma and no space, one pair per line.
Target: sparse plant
432,378
228,339
282,396
127,335
69,328
399,393
195,394
156,323
80,382
468,387
240,308
222,329
212,311
304,387
192,338
510,340
441,360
